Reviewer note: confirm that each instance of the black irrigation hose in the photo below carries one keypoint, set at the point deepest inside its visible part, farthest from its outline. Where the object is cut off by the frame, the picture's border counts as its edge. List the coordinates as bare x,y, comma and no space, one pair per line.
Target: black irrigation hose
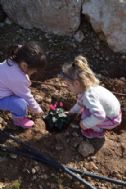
38,159
95,176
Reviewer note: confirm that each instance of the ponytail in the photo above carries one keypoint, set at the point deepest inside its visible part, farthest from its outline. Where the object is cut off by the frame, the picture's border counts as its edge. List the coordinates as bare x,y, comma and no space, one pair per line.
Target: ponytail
80,70
80,63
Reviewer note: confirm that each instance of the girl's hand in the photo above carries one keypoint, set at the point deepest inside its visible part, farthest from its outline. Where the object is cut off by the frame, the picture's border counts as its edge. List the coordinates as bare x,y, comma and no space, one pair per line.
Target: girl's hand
68,113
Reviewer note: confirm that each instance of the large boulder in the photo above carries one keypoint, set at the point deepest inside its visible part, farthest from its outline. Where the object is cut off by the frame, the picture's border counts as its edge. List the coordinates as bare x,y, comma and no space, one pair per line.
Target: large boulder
61,17
108,17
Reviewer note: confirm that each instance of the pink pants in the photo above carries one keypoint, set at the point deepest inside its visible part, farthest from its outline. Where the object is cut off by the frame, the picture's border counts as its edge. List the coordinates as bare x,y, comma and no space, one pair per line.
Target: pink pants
108,123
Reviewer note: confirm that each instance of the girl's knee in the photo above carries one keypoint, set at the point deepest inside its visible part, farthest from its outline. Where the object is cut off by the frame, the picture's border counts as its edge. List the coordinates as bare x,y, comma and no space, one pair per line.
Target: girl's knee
20,107
22,104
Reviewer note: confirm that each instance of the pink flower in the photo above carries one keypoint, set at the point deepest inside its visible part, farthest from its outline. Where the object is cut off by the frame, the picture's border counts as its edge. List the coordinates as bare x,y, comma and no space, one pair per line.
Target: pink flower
61,104
52,107
56,104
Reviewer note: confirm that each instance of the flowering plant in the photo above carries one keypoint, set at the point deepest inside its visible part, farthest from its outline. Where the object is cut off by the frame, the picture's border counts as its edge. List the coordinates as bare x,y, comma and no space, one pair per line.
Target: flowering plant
56,119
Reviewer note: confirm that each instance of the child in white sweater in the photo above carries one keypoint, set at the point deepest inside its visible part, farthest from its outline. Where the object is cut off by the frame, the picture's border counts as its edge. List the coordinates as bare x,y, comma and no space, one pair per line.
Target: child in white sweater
99,108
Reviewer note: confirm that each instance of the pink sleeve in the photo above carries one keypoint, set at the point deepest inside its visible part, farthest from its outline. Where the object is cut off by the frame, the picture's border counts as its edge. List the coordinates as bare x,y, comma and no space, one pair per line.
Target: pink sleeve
21,89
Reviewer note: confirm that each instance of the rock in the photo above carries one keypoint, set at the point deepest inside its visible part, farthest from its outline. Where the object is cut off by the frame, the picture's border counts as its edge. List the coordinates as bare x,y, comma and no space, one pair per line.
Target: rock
2,185
79,36
59,147
38,98
13,156
92,166
40,187
108,17
74,126
85,149
1,126
48,100
122,78
75,134
61,17
33,170
8,21
44,176
1,120
123,57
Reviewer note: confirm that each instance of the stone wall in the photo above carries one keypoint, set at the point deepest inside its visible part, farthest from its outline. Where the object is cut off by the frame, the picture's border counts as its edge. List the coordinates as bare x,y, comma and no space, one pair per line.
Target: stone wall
63,17
108,17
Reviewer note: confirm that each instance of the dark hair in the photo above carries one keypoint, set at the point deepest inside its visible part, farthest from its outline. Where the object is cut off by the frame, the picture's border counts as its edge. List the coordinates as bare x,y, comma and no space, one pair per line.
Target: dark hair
30,53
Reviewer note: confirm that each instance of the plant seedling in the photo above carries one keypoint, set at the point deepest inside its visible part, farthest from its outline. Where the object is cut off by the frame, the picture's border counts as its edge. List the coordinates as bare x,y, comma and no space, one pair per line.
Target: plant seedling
56,119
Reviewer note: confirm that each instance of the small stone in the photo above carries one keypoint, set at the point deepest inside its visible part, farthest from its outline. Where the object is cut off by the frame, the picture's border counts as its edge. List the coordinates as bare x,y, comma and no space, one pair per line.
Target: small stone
79,36
123,57
33,170
93,158
8,21
2,185
59,147
48,100
122,78
92,166
99,76
44,176
1,126
85,149
5,123
38,98
13,156
75,134
74,126
68,140
106,58
1,120
40,187
52,174
61,186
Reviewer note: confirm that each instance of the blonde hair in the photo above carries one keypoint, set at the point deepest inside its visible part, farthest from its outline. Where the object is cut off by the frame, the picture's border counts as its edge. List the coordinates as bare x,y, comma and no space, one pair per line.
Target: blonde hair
80,70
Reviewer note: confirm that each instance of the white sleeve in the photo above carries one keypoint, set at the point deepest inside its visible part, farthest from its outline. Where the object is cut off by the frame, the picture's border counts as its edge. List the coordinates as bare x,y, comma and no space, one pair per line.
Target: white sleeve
95,108
76,108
